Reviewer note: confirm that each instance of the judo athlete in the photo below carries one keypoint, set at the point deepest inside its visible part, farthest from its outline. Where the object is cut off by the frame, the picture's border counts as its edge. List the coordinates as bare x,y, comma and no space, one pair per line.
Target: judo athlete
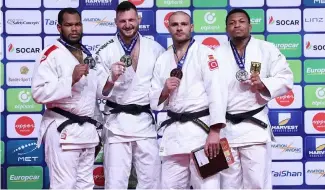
67,80
188,84
257,72
129,133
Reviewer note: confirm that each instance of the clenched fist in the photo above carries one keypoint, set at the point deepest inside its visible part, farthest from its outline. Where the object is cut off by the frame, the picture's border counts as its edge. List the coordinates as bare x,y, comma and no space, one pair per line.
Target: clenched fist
78,71
171,84
117,69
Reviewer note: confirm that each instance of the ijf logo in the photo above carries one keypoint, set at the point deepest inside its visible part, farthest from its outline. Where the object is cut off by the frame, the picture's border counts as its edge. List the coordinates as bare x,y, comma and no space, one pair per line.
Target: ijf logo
292,99
23,125
24,152
284,123
315,96
315,173
287,173
99,21
280,21
315,122
162,19
314,45
23,48
287,148
315,147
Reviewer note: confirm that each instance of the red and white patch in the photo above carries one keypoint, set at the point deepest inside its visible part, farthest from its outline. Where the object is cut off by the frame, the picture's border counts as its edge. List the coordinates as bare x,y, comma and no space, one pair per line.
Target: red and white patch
63,134
213,64
47,52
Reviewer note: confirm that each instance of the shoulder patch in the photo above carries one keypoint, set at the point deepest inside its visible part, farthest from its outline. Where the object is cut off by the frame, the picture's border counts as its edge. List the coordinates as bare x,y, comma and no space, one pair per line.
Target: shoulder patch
103,46
47,52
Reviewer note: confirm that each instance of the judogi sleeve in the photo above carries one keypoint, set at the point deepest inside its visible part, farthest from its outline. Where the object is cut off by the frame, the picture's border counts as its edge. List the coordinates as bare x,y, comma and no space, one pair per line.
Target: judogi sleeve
47,85
103,62
280,76
157,85
215,85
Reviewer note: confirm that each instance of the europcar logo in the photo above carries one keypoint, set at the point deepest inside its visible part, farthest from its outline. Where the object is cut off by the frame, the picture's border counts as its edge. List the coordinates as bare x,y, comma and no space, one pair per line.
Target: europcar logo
288,44
257,19
315,147
24,152
285,122
25,177
314,70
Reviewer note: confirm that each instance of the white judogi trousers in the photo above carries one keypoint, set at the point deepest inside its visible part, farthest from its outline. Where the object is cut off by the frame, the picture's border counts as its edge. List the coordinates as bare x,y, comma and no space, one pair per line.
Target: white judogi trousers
68,169
118,159
251,169
179,172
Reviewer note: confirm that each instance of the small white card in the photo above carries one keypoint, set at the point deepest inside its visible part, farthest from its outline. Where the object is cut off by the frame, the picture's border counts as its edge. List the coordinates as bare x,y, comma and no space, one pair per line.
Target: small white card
201,157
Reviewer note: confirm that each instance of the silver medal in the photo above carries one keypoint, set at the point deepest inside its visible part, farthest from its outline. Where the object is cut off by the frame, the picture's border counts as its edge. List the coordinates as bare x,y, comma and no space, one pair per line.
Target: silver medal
242,75
90,61
127,60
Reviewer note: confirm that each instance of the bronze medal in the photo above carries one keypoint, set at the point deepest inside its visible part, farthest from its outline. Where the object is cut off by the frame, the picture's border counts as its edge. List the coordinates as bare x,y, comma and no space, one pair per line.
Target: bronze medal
176,73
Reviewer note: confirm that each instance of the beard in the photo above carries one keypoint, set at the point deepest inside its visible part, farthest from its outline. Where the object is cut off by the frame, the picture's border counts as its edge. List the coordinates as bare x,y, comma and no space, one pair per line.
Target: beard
69,41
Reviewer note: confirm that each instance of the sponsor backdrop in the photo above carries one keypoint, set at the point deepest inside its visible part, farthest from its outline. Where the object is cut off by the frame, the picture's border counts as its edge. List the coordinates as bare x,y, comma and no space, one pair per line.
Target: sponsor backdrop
296,27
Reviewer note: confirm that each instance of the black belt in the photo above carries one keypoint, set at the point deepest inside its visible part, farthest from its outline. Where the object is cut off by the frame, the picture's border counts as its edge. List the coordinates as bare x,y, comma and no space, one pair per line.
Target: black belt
72,118
132,109
237,118
185,117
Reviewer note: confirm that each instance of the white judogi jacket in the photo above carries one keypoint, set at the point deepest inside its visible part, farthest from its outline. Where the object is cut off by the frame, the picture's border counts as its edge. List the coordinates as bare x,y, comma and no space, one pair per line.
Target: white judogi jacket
131,88
202,86
276,76
51,85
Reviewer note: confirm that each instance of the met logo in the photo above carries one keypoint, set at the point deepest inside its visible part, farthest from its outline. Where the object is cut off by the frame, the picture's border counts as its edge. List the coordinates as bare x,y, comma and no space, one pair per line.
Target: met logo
24,152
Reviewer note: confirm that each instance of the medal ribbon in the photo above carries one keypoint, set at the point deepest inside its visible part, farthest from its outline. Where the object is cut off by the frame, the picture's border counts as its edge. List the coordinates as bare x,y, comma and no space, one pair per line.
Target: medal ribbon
182,61
83,48
239,60
128,49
